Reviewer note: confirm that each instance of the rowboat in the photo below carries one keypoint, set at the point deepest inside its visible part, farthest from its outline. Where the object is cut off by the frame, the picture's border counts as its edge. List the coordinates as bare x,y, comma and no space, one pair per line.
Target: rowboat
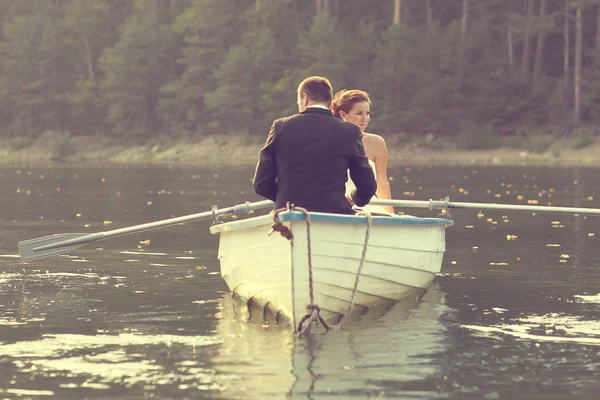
332,261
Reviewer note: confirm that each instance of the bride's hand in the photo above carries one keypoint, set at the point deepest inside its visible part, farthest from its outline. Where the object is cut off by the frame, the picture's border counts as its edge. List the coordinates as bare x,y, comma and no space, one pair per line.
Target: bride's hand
349,198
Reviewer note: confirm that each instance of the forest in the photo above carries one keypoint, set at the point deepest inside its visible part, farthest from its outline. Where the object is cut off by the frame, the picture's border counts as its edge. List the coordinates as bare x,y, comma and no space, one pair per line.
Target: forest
181,68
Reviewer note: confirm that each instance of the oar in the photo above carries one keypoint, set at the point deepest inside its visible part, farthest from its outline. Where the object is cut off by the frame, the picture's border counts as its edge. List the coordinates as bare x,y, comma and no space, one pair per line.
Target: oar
35,249
445,204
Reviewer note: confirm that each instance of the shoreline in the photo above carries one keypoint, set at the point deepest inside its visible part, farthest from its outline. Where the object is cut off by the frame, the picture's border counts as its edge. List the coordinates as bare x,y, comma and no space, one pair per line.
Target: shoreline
243,150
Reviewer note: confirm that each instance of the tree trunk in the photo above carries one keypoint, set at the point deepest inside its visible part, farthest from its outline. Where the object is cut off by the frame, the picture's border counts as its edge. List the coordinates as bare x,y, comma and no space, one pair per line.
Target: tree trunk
429,13
510,44
567,56
526,41
319,4
597,44
88,59
578,60
397,12
325,6
257,12
539,51
463,41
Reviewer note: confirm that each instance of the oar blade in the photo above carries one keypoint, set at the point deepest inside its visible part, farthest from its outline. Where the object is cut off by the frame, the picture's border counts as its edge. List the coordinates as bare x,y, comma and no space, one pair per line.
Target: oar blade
27,247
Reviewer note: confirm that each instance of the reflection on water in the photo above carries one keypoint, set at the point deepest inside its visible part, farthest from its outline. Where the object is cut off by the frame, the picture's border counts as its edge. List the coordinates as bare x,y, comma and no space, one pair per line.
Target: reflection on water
333,364
514,313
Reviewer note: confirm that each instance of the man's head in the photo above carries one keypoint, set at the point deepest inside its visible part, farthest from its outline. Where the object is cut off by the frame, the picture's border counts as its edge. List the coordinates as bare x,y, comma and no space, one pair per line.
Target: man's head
314,90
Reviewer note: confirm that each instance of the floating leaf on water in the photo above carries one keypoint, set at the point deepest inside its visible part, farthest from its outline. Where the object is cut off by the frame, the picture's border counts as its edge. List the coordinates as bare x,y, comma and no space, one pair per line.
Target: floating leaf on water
475,247
78,215
480,215
519,197
552,245
497,195
149,202
498,263
591,234
511,237
42,176
532,201
575,182
453,262
391,178
103,179
469,226
489,220
590,198
563,261
555,222
146,242
564,256
460,190
199,267
216,176
87,225
107,222
518,259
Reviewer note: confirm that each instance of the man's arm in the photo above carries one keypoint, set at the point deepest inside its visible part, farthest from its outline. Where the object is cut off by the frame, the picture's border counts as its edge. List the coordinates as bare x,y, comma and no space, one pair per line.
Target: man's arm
265,175
361,172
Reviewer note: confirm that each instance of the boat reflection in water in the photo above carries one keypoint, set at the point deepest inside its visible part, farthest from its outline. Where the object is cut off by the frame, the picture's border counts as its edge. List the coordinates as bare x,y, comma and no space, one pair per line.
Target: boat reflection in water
392,350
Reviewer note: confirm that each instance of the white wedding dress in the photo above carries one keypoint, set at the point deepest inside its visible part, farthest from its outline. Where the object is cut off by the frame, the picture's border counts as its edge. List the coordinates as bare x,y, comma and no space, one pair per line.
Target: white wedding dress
369,207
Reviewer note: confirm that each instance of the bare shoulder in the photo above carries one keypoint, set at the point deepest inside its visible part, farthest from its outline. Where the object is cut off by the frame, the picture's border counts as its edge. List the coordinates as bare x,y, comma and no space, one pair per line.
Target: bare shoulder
374,141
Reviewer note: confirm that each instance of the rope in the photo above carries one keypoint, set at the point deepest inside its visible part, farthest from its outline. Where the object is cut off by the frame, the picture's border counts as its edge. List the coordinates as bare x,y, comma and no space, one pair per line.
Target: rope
359,270
313,311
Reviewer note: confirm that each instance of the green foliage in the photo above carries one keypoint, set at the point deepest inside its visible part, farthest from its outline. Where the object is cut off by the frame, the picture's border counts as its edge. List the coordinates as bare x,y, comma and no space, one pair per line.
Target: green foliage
139,67
136,67
58,143
208,29
19,143
537,142
582,138
473,137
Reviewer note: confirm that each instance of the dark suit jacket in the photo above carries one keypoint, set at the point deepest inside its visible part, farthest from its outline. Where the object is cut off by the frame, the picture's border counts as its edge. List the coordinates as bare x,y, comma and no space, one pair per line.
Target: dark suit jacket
305,161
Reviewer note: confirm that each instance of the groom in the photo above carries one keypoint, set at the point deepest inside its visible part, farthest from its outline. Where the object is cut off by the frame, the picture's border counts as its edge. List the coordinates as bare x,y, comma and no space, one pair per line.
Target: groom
307,155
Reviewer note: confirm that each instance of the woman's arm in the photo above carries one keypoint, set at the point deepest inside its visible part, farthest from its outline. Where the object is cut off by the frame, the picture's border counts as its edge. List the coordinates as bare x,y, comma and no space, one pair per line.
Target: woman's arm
381,162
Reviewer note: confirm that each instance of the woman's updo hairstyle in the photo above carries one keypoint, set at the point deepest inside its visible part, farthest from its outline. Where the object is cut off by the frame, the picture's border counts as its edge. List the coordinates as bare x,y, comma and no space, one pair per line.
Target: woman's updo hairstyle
344,100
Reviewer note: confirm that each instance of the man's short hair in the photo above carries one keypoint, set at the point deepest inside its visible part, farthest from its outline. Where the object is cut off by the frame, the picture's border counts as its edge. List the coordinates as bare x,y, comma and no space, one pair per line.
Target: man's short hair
317,88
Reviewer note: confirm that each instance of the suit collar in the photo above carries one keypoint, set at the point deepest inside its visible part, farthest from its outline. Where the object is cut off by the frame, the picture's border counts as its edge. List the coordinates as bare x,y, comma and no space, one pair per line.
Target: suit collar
318,110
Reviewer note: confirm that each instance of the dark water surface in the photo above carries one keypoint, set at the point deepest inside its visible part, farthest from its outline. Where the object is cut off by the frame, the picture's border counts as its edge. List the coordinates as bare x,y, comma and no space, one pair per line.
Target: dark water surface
514,314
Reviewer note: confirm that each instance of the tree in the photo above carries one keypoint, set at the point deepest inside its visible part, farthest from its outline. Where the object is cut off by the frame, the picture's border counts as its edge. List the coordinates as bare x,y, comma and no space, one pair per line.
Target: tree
35,69
208,29
136,67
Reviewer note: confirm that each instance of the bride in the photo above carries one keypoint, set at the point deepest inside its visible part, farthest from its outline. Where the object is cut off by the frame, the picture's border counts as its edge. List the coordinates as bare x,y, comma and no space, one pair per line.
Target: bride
355,106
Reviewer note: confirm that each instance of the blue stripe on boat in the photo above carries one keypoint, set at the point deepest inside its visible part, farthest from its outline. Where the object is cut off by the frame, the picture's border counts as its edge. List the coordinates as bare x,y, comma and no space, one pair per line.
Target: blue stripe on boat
353,219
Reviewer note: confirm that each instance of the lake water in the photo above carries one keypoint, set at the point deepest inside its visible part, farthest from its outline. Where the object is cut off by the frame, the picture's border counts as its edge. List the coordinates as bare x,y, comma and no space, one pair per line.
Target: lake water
513,315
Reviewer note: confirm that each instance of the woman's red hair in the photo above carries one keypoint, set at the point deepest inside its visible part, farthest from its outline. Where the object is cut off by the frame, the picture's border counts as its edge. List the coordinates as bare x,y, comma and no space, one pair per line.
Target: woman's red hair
344,100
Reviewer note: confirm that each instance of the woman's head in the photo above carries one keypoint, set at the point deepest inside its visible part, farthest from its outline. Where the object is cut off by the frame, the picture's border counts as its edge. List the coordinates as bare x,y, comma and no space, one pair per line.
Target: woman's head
353,106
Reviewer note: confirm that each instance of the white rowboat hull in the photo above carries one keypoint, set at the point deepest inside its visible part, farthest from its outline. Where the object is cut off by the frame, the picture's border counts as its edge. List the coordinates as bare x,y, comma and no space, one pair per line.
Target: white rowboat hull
403,256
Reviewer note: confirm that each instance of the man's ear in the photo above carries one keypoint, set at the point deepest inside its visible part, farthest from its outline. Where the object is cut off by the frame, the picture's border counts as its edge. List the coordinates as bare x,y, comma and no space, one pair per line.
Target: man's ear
305,99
